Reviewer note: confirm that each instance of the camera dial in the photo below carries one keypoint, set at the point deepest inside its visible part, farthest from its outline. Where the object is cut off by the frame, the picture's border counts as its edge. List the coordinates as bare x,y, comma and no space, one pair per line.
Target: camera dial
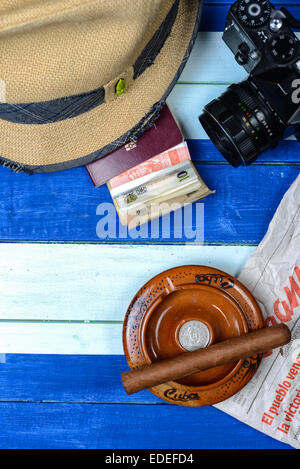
283,48
254,13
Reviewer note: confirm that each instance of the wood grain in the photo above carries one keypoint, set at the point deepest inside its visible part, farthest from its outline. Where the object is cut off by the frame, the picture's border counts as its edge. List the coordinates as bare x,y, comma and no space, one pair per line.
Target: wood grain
81,425
63,206
59,299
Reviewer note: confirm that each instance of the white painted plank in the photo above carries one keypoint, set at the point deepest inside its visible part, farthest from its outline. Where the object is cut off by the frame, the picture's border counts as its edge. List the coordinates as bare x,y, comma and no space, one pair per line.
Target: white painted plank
92,282
212,61
65,339
87,283
187,103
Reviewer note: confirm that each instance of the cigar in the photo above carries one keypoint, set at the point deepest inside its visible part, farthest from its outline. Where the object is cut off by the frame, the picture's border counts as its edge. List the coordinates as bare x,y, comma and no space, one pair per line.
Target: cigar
188,363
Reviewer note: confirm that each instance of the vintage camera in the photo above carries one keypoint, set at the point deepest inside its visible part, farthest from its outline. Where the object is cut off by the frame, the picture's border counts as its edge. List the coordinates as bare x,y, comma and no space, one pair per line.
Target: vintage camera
252,116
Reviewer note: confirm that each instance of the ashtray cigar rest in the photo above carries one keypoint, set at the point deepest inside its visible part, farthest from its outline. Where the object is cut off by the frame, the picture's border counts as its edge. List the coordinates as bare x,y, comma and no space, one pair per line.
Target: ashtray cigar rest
184,309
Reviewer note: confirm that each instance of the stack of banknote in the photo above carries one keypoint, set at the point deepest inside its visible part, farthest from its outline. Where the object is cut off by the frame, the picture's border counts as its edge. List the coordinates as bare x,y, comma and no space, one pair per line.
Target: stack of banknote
159,185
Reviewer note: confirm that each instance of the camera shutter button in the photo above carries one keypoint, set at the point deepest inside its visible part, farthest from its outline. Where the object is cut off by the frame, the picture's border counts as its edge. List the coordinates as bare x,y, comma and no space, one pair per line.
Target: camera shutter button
276,24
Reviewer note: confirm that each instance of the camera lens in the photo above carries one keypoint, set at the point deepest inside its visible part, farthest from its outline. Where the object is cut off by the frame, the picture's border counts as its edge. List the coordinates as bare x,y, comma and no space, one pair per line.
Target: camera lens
241,124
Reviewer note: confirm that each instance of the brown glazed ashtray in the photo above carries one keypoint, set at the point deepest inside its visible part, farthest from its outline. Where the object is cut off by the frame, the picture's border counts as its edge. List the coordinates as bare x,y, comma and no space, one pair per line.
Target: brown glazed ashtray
187,308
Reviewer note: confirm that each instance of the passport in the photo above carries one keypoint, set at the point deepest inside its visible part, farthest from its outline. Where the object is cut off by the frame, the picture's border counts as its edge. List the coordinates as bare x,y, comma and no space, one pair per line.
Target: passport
162,136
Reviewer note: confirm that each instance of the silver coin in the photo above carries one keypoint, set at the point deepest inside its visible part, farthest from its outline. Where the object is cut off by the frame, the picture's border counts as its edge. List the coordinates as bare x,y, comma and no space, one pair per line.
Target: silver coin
194,335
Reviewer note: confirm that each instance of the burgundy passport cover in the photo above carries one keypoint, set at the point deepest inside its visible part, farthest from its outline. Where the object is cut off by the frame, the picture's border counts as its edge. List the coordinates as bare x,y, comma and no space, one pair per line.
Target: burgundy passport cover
164,135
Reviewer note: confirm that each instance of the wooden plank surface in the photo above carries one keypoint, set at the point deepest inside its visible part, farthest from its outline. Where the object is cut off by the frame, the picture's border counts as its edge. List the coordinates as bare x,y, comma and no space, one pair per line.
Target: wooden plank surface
63,206
59,298
74,282
203,151
72,425
187,101
212,62
56,298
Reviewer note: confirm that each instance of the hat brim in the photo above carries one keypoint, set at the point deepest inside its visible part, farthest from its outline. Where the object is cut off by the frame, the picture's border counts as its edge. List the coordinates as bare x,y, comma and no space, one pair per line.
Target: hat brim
89,136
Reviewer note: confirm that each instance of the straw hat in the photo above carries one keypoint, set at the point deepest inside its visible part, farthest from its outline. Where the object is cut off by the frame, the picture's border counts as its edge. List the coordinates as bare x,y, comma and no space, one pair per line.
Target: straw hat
79,78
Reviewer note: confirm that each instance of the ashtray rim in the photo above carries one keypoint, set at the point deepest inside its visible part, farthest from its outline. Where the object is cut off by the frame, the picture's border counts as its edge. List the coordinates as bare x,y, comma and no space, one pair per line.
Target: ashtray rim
134,324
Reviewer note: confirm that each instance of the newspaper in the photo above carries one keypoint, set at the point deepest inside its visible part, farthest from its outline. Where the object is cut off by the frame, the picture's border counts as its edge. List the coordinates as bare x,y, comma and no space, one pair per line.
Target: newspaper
270,402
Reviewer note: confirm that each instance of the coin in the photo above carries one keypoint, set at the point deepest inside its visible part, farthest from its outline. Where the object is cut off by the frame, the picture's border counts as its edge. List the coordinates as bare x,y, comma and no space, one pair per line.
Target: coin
194,335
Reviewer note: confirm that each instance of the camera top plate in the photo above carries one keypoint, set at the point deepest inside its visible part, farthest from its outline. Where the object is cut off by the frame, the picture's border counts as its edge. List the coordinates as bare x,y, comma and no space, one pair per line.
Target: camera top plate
260,36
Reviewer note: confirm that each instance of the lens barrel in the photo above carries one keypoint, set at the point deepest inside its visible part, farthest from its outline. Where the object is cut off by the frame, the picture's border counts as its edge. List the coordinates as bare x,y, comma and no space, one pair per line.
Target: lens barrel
241,124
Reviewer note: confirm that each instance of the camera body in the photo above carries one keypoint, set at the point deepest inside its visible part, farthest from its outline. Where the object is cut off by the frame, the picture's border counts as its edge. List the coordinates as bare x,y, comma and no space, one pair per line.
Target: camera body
253,116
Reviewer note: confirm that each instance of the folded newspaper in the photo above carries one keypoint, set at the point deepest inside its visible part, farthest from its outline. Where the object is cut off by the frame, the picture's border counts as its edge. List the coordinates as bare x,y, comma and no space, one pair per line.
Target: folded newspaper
270,402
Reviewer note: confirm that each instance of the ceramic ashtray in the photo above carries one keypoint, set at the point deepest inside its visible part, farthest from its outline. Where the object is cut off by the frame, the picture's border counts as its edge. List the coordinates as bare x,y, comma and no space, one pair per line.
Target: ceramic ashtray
184,309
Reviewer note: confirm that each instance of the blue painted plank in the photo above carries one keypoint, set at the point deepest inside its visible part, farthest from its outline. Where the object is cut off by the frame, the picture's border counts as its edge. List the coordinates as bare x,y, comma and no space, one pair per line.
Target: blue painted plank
80,378
278,3
287,151
62,206
214,15
79,402
245,200
114,426
92,380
